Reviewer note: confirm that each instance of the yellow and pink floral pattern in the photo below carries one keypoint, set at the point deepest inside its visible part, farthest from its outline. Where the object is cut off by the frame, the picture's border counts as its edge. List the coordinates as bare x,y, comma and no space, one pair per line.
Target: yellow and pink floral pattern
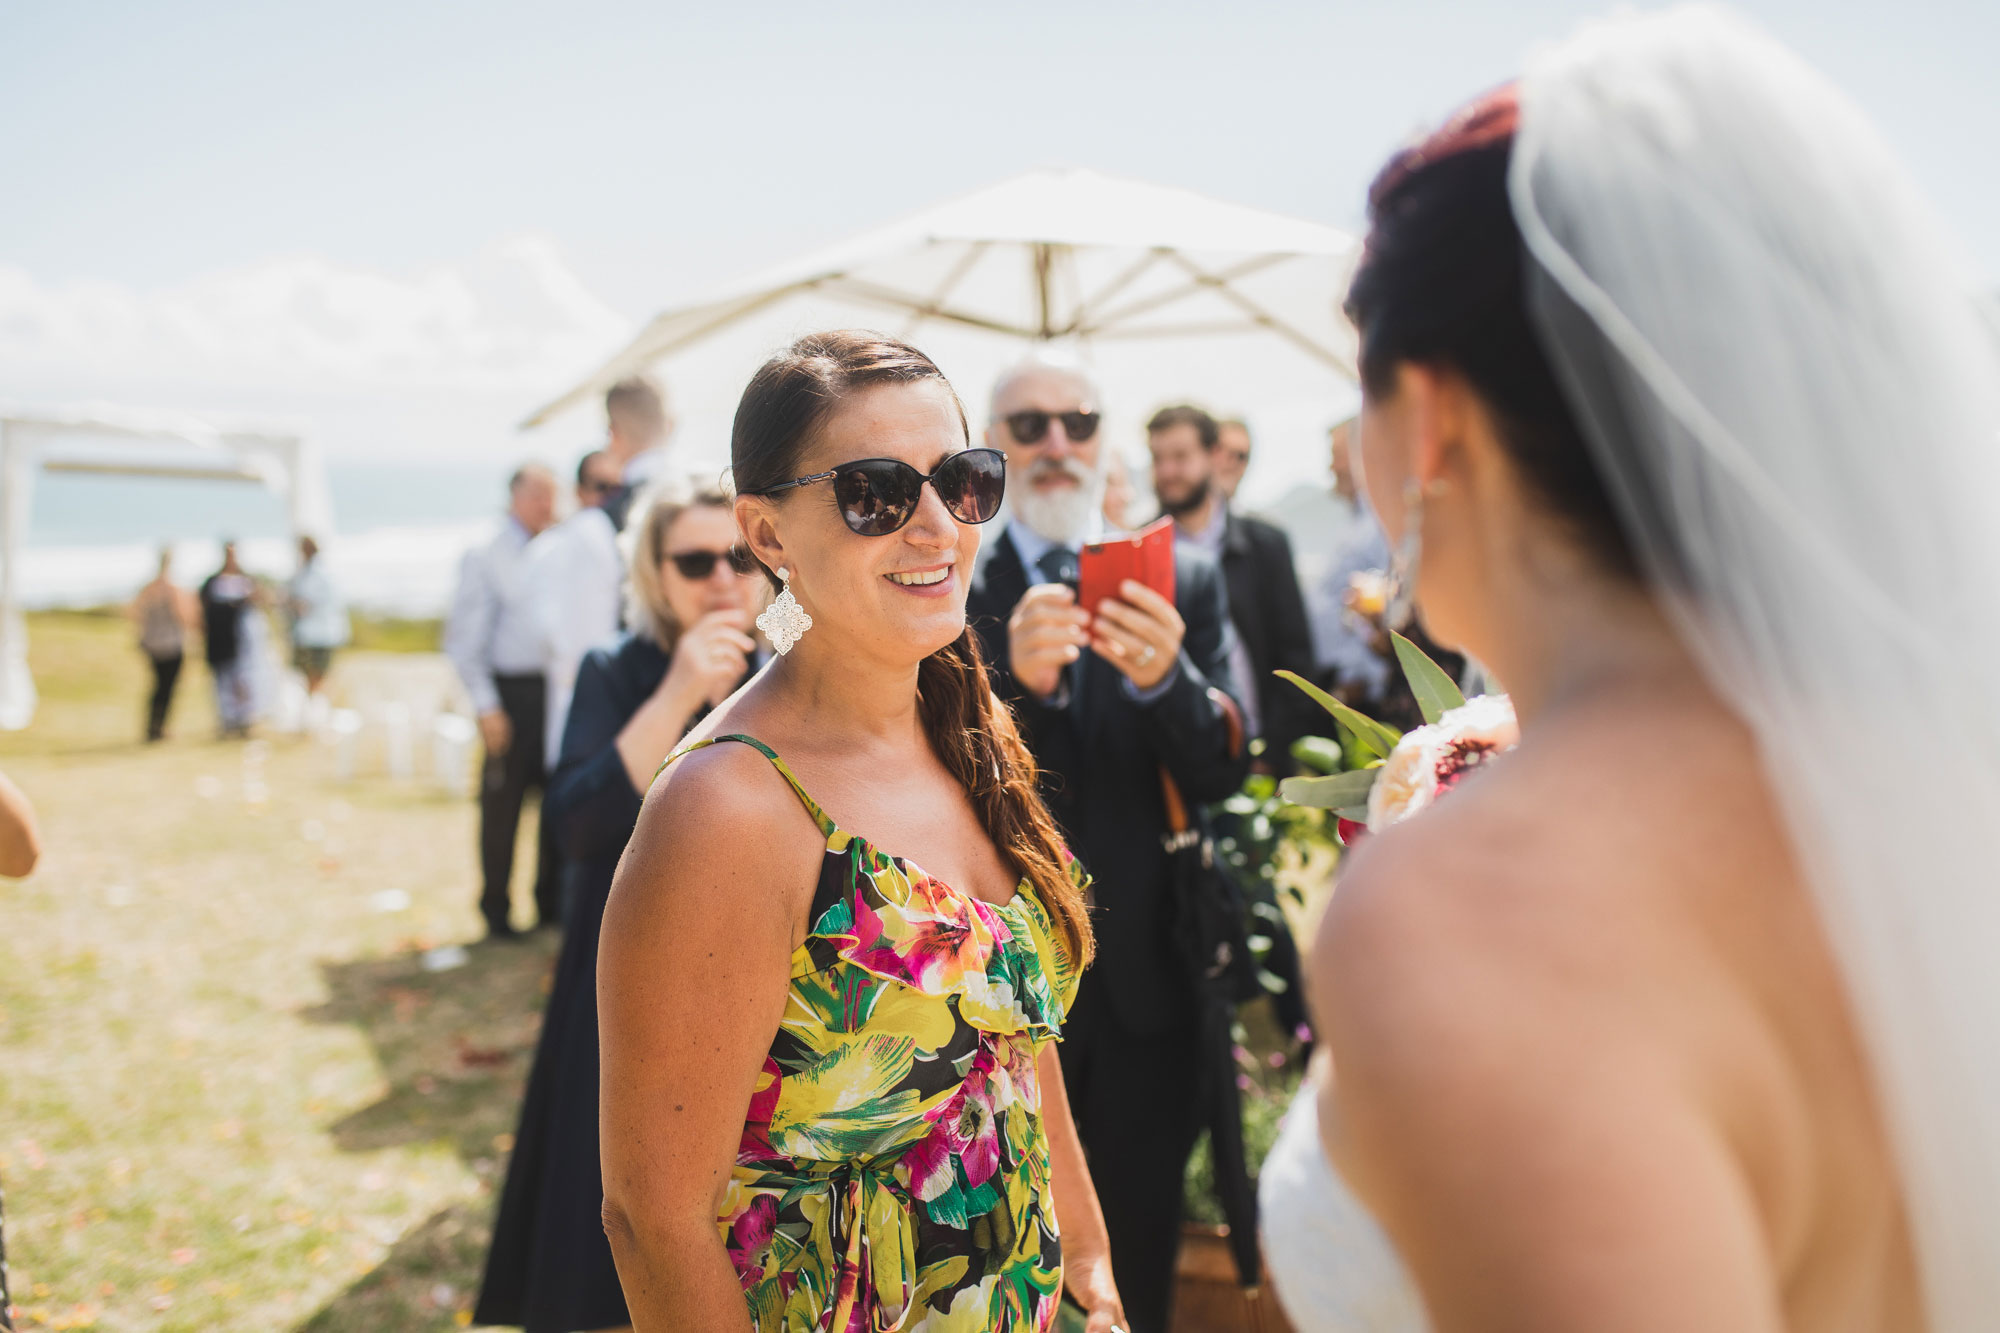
893,1172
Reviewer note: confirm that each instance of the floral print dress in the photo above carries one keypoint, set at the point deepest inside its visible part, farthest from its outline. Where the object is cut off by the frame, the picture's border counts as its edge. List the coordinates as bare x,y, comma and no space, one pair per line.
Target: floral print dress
893,1171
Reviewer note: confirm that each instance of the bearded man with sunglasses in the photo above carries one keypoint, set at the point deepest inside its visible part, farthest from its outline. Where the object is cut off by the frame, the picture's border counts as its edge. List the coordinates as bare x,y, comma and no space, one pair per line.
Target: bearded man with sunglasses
1107,704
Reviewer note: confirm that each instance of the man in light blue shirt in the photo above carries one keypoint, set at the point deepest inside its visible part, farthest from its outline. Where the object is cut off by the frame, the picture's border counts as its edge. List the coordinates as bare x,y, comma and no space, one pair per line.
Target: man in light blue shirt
1344,640
493,640
319,616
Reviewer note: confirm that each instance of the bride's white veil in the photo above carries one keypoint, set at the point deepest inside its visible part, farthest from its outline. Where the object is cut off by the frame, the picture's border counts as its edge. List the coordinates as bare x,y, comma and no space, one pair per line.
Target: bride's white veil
1794,393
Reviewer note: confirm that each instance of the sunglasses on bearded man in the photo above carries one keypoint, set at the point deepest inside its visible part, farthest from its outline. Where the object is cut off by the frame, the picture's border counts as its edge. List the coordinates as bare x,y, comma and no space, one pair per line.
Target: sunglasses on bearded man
878,496
1032,426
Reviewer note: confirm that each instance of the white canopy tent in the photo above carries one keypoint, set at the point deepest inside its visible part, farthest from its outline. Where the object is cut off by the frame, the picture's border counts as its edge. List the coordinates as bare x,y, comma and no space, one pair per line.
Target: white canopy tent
1165,294
111,441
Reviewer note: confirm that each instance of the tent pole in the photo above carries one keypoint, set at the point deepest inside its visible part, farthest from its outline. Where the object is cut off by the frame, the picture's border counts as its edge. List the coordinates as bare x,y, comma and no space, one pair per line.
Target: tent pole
17,686
1044,259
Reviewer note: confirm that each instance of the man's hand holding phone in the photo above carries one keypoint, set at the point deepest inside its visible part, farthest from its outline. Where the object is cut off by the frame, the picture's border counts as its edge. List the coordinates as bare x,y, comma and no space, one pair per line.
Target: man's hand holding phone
1045,634
1140,633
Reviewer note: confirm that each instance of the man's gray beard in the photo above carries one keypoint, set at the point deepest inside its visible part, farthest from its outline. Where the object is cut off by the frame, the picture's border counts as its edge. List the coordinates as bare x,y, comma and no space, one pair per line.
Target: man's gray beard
1066,516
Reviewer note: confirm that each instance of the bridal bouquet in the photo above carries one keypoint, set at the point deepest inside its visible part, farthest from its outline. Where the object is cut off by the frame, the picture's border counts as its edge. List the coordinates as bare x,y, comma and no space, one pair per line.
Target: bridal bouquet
1400,774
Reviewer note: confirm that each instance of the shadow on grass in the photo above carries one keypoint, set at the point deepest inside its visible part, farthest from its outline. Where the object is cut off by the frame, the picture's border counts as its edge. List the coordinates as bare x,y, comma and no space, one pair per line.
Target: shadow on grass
423,1283
454,1047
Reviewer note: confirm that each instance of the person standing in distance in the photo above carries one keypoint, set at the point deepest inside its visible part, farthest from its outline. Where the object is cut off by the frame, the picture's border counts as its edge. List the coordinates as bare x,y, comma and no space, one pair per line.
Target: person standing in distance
490,637
1265,606
1232,457
165,613
576,584
319,617
1105,705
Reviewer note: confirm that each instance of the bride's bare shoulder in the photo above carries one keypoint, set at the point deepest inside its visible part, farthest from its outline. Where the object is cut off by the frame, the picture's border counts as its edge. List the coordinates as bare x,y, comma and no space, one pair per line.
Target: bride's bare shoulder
1516,989
1575,864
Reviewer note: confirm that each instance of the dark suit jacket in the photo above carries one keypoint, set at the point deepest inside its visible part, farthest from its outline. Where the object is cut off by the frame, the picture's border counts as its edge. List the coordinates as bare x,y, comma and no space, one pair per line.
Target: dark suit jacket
1101,754
1269,614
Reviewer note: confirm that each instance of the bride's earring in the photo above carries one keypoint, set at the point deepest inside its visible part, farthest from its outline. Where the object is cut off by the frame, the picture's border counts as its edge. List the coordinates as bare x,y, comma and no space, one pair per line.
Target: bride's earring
784,621
1407,560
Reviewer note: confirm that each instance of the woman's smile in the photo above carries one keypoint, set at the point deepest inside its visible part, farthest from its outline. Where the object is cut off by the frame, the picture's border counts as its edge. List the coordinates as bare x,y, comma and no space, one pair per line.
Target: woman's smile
933,582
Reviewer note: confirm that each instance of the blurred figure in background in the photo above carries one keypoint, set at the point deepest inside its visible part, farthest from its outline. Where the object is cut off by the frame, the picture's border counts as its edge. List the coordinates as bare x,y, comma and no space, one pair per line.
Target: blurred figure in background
228,608
576,573
491,638
575,582
1345,604
166,614
1256,558
637,427
1118,494
688,647
1232,457
319,616
1355,657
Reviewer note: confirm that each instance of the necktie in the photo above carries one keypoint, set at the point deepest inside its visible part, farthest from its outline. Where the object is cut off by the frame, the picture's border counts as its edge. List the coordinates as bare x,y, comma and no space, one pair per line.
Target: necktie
1058,565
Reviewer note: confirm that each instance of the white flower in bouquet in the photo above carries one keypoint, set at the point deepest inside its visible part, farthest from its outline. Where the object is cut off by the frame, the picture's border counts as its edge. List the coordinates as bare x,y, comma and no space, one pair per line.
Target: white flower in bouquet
1433,759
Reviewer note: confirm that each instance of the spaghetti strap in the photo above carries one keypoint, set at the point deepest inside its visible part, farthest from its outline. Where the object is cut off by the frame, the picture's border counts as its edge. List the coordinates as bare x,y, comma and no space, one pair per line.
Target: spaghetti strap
820,817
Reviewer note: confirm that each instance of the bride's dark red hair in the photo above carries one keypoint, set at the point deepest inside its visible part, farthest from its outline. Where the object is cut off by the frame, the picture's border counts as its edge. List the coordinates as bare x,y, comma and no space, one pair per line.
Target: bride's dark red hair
1480,123
1443,282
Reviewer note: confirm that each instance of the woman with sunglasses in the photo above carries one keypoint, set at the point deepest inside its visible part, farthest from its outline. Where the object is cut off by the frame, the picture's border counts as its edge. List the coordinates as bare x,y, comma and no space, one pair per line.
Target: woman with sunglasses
689,604
840,949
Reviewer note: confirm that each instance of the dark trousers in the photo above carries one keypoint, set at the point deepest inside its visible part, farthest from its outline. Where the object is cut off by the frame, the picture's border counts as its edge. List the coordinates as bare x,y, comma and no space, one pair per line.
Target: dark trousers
166,672
503,785
1134,1101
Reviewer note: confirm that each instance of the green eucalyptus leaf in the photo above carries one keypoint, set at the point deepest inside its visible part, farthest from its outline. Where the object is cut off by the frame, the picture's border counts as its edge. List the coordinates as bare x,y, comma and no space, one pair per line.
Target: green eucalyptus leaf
1437,693
1336,791
1319,754
1372,736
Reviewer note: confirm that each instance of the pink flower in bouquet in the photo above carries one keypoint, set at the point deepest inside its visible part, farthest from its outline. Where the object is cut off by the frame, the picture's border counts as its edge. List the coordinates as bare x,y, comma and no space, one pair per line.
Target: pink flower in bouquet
1431,760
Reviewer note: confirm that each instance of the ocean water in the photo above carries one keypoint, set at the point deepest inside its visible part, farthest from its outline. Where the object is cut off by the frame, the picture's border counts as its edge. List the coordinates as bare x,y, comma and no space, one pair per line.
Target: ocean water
399,532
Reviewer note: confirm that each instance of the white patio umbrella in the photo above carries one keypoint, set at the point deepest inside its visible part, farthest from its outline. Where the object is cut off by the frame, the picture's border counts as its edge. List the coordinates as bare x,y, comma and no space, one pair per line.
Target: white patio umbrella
1166,294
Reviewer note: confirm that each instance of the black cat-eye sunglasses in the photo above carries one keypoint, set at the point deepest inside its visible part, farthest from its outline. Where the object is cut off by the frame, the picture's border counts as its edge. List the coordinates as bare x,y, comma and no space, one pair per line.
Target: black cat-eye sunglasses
878,496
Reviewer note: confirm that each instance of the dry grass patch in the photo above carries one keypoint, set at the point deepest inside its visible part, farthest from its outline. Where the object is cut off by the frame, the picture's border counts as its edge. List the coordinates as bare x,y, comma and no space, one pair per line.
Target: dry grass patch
233,1095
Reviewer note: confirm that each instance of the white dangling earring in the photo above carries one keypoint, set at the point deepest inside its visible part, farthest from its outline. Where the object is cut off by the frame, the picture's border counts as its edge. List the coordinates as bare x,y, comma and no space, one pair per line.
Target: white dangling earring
1406,561
784,621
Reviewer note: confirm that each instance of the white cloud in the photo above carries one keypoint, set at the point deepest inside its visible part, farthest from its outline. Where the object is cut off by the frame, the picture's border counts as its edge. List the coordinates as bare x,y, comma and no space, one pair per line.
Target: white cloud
511,318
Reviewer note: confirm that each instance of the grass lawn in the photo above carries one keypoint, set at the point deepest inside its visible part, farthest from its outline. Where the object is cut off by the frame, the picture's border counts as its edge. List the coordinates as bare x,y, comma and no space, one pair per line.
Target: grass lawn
231,1094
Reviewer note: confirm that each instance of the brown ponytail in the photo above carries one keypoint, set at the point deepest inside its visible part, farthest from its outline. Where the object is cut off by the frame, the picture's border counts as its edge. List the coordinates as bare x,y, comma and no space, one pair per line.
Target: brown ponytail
785,404
974,734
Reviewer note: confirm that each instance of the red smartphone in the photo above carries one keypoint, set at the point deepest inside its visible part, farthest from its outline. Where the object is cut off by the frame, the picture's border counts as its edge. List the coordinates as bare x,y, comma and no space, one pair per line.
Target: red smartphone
1146,556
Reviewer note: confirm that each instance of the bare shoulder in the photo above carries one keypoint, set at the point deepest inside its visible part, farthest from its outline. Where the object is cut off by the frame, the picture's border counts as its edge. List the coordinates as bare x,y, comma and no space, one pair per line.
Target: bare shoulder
1518,987
1573,861
1600,889
720,826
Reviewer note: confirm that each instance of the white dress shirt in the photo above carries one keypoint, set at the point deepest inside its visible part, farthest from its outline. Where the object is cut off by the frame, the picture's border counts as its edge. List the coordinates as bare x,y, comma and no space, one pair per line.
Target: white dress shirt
576,589
321,616
489,629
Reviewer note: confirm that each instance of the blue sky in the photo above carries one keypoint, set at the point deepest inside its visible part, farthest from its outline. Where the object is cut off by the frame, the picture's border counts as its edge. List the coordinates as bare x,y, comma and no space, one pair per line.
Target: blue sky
662,147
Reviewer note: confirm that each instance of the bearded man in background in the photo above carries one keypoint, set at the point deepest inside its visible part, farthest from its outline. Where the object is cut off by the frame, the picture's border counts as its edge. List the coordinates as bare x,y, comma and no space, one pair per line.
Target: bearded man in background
1107,704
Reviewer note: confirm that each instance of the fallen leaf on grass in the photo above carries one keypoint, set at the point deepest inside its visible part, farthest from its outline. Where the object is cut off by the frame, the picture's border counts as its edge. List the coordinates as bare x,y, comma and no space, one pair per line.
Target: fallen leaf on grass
480,1057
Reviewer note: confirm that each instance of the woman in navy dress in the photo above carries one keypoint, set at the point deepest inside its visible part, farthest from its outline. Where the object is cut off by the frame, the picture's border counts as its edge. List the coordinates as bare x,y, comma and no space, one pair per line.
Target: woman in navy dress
688,646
